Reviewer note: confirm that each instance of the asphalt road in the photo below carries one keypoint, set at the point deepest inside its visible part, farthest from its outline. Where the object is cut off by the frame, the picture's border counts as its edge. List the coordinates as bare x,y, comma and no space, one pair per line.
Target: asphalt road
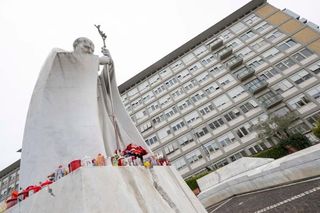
293,198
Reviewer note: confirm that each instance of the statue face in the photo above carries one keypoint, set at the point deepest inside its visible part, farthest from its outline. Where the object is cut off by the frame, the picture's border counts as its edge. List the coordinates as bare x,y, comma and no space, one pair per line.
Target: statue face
83,45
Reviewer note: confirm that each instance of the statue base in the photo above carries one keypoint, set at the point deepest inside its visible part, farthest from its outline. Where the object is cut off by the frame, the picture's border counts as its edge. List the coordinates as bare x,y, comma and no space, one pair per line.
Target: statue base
114,189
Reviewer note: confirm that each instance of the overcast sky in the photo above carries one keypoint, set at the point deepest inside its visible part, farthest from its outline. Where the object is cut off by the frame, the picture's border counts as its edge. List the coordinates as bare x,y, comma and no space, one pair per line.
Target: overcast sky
139,33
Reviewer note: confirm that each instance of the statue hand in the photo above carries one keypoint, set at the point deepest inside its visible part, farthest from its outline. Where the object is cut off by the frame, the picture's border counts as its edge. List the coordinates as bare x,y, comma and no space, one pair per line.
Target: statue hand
105,52
106,58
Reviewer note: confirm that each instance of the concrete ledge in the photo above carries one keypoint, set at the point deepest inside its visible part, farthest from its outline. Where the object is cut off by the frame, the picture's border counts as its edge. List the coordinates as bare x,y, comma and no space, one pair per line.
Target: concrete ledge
297,166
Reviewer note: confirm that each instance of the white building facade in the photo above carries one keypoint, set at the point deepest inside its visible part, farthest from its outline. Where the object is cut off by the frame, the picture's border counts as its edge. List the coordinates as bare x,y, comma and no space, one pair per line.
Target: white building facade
197,105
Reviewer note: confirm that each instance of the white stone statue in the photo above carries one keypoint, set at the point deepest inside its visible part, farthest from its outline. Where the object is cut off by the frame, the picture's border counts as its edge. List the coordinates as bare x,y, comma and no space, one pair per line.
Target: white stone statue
74,112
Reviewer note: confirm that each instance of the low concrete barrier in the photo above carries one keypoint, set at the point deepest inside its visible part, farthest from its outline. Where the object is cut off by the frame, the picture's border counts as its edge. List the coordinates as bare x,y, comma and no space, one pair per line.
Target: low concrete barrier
249,174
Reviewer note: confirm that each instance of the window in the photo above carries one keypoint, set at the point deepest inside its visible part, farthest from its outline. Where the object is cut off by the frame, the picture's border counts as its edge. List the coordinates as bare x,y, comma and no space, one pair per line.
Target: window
217,70
233,114
262,27
143,86
243,130
198,96
186,103
256,85
251,19
152,107
227,79
245,53
274,36
186,139
269,99
177,93
235,44
208,59
146,126
239,27
206,109
171,82
282,86
256,62
151,140
259,44
190,118
222,102
178,125
193,68
226,35
133,92
179,164
286,45
248,106
160,89
299,101
163,133
183,75
246,36
244,73
235,157
136,103
300,76
165,73
285,64
221,163
200,51
302,54
203,77
315,93
236,92
140,115
171,111
226,139
201,131
148,97
165,100
216,123
177,65
189,58
154,79
211,147
159,118
211,88
315,68
313,119
190,85
269,73
194,156
271,53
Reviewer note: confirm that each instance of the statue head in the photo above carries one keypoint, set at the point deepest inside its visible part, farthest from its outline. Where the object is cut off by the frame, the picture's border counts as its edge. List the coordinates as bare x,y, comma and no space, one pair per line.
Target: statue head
83,45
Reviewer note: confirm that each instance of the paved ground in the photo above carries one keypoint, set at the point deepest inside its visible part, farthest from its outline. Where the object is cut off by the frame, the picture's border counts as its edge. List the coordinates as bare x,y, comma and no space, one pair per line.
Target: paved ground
294,198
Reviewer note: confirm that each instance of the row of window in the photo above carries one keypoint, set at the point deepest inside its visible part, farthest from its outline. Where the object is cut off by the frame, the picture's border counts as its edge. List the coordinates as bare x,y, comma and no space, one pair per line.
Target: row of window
196,155
189,58
192,118
215,71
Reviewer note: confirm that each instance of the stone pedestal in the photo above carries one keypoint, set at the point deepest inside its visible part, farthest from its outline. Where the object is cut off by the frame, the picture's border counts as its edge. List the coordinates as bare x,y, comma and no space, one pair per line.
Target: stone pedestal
115,189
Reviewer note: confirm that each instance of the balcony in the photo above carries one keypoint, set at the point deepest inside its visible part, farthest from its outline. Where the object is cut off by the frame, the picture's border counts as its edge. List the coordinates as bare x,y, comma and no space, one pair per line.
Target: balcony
256,85
215,44
245,73
234,62
272,101
225,53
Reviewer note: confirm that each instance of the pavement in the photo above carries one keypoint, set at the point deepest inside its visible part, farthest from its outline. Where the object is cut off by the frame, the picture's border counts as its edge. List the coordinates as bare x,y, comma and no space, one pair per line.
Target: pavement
303,196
